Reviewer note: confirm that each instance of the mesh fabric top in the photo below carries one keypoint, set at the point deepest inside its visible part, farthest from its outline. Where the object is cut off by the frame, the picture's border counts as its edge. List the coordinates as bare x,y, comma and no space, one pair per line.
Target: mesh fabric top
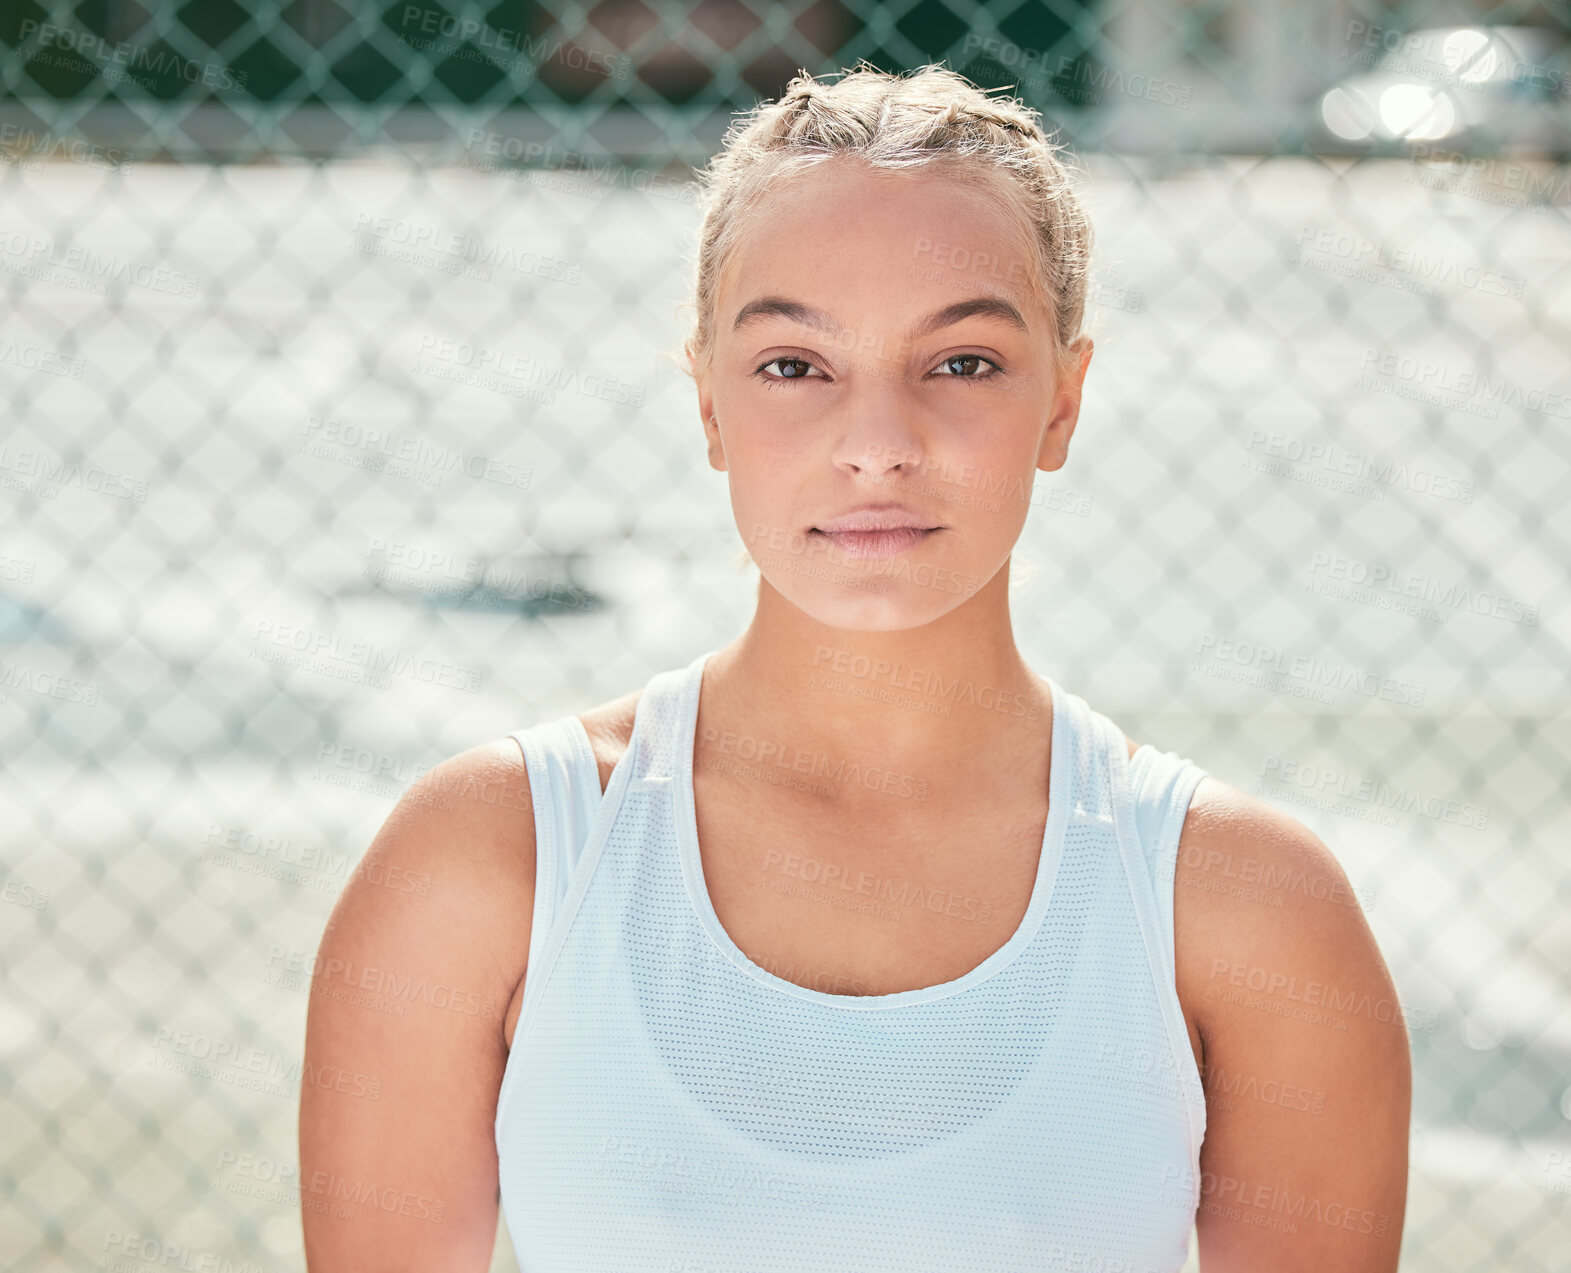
670,1105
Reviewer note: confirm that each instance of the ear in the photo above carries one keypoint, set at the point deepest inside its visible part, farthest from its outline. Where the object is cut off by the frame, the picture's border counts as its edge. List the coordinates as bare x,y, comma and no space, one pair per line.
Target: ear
706,415
1065,410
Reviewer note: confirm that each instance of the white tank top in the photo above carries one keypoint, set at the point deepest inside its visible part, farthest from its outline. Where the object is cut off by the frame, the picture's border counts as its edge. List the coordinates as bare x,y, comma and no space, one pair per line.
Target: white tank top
670,1105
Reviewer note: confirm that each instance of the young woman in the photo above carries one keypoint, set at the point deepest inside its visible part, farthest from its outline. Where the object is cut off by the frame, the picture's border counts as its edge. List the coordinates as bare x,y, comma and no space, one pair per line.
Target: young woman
857,944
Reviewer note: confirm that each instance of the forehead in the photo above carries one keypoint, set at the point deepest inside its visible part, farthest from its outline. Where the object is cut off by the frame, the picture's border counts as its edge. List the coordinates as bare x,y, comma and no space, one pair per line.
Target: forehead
841,230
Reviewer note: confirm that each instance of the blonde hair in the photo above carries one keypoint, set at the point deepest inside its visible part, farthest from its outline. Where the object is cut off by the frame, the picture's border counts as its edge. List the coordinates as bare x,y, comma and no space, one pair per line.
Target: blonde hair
930,118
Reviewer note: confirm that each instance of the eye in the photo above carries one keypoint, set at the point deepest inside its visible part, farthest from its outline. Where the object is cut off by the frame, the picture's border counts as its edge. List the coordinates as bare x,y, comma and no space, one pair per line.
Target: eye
800,368
969,358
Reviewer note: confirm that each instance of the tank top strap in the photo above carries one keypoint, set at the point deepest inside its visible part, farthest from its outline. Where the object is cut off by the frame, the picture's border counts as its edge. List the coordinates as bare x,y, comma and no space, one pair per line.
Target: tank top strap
1162,783
1086,785
564,784
1151,906
660,727
573,818
564,788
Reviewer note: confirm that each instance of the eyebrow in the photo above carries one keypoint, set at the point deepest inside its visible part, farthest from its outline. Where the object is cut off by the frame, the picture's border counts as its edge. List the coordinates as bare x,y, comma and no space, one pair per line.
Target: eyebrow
974,307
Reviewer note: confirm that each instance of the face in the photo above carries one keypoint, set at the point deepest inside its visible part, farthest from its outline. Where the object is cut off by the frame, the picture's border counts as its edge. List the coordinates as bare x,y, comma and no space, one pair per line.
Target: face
882,392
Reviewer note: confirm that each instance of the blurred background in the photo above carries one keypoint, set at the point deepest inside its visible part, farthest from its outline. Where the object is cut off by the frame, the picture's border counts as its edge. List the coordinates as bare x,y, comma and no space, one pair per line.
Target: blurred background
340,436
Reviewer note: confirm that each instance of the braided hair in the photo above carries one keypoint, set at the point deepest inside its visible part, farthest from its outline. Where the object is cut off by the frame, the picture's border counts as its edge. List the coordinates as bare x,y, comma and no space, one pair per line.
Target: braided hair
929,117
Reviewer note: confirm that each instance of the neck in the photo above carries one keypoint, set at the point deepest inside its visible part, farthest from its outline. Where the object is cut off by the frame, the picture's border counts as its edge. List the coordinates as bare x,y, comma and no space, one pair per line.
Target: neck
953,694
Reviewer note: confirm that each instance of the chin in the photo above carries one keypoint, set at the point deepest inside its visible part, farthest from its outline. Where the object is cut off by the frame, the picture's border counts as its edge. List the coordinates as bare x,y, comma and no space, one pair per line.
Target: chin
869,604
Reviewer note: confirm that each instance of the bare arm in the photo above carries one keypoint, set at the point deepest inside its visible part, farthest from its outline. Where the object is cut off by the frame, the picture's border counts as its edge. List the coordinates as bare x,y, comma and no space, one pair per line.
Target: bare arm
1307,1071
398,1164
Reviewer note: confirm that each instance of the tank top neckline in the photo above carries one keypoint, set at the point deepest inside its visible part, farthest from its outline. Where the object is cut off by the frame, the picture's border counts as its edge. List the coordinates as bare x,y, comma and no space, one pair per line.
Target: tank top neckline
1061,767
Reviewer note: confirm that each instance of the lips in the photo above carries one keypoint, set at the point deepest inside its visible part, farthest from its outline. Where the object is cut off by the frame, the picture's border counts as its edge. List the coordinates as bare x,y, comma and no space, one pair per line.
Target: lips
876,543
879,517
877,530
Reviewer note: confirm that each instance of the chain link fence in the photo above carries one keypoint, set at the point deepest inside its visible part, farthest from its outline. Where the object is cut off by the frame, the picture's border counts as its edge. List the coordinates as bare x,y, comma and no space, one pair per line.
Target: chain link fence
340,438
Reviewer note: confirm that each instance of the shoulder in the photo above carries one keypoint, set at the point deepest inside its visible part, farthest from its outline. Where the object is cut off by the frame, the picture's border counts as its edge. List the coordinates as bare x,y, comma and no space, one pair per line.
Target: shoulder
440,901
1270,933
1256,854
474,811
1253,883
1304,1044
410,983
471,804
464,832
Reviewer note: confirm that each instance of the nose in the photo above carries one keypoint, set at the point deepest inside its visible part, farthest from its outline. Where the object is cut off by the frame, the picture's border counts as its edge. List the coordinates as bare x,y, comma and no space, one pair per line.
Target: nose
878,437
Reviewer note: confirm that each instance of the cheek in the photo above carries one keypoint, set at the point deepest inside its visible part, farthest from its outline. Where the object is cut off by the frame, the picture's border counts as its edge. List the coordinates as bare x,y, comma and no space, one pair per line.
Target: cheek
775,433
985,478
763,477
768,463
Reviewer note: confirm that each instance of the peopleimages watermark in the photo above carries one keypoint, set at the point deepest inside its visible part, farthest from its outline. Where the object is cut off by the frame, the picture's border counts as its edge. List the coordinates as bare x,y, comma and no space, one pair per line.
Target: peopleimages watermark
1538,188
440,573
385,990
246,1065
1105,294
682,1171
830,665
47,474
283,857
1350,471
132,1253
883,893
39,257
1224,1089
828,897
1342,252
1303,676
1336,791
52,362
1136,1067
1465,58
21,893
17,569
25,148
270,1180
957,258
308,649
453,251
1078,79
417,458
1439,385
1333,574
1317,1002
1327,475
484,149
789,758
364,769
382,774
824,980
1253,879
1426,378
495,46
516,375
68,689
123,61
1271,1206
